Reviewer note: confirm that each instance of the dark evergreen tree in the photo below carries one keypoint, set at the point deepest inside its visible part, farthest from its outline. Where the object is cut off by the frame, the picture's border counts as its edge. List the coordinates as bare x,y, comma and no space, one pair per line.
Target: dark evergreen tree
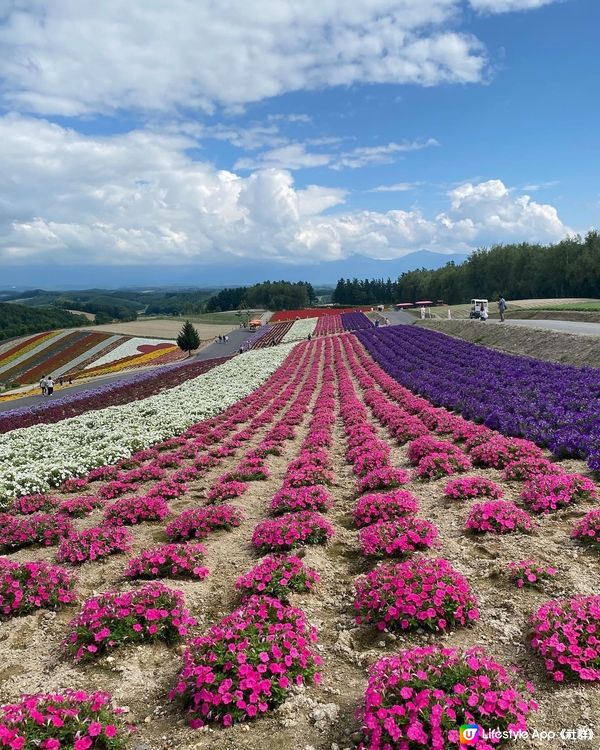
188,338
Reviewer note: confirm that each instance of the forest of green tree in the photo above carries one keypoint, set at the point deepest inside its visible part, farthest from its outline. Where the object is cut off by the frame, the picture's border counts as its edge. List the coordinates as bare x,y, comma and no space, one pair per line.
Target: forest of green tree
570,268
18,320
271,295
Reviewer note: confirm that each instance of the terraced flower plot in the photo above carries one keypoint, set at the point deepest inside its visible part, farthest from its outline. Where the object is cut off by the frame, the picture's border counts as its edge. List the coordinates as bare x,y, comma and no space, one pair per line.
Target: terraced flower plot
326,558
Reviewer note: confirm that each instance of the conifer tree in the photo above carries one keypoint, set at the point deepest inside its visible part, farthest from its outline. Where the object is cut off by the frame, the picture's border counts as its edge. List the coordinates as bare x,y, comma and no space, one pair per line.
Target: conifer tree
188,338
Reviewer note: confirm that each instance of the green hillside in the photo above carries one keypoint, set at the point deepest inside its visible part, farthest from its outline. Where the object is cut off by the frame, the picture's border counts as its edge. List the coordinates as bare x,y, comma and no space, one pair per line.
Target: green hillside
18,320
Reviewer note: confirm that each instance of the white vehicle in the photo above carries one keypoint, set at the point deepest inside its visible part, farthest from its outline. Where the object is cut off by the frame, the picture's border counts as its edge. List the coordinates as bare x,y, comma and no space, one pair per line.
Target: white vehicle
477,305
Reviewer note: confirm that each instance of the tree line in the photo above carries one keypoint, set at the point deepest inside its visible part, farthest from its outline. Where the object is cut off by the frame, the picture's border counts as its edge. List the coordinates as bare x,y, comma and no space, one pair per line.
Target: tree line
570,268
18,320
272,295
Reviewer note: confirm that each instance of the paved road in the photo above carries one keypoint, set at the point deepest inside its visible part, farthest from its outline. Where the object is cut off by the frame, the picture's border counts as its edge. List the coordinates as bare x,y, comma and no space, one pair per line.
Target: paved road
236,337
396,317
563,326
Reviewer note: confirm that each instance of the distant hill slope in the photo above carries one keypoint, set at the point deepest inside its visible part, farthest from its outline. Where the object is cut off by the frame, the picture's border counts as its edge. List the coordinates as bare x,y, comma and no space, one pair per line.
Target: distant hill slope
18,320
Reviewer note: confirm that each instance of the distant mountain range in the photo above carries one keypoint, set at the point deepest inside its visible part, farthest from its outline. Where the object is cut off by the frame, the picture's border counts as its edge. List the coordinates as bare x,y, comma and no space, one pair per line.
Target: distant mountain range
55,276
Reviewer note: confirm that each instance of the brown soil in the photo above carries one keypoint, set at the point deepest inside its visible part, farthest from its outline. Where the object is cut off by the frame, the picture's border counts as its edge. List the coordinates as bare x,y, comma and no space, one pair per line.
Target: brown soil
140,677
531,342
163,329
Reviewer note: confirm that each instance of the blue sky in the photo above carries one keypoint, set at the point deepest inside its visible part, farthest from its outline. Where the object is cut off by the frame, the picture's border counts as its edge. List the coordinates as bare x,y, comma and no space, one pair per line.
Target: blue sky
293,132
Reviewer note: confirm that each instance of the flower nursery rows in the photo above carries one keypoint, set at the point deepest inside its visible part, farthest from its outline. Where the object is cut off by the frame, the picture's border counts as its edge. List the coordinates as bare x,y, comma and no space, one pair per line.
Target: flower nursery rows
331,559
554,405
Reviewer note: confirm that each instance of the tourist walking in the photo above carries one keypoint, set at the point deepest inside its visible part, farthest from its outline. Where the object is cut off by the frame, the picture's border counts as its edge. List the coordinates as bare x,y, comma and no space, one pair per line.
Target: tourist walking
49,385
483,313
43,385
501,308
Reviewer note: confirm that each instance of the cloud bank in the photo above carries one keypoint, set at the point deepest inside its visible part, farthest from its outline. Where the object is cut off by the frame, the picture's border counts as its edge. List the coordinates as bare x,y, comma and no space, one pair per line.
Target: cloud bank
139,198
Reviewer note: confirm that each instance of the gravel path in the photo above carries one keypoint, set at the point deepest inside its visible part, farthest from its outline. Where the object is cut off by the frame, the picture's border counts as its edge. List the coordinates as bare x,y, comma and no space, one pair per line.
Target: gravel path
565,326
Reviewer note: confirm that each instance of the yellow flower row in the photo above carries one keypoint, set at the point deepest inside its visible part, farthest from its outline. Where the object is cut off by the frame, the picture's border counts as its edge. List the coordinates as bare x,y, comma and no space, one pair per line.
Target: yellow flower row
27,348
127,363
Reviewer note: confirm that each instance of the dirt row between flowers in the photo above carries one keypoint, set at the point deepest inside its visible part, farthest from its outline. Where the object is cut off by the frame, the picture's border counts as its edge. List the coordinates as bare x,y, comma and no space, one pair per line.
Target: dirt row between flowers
320,716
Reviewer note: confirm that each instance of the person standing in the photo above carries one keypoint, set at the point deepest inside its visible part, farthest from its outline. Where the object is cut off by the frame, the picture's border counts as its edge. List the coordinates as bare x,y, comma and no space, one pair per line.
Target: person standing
43,385
483,313
501,308
49,385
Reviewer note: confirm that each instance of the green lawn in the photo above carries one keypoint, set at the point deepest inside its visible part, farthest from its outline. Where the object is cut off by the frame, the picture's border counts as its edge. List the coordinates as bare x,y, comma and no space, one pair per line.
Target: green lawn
222,318
576,307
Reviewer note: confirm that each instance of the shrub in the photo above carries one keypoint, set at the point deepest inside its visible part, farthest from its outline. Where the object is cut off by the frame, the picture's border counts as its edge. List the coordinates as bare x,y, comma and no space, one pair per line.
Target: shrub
438,465
565,635
498,517
277,576
93,544
25,587
132,510
197,523
421,696
398,537
587,529
545,493
307,475
112,619
38,528
527,573
419,593
384,507
383,479
291,530
71,719
247,663
78,507
169,561
226,490
290,499
27,504
251,469
468,487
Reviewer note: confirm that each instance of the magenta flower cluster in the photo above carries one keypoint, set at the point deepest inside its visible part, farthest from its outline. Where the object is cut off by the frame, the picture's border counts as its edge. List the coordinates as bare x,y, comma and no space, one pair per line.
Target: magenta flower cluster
73,720
112,619
498,517
587,529
197,523
290,499
77,507
291,530
226,489
527,573
419,698
438,465
398,537
388,506
38,528
247,663
278,576
25,587
27,504
93,544
169,561
566,635
133,510
547,492
499,451
529,467
384,478
469,487
419,593
427,445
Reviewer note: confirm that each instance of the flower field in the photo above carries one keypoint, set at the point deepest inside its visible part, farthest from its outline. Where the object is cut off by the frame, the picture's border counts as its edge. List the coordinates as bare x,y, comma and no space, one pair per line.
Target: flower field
79,354
296,549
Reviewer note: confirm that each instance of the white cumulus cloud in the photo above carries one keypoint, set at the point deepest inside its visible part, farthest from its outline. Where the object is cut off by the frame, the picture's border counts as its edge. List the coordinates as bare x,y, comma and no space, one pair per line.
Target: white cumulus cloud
140,198
504,6
75,57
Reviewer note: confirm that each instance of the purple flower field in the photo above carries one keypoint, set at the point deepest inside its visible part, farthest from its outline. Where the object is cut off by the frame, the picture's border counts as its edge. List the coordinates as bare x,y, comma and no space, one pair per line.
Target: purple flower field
355,321
554,405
